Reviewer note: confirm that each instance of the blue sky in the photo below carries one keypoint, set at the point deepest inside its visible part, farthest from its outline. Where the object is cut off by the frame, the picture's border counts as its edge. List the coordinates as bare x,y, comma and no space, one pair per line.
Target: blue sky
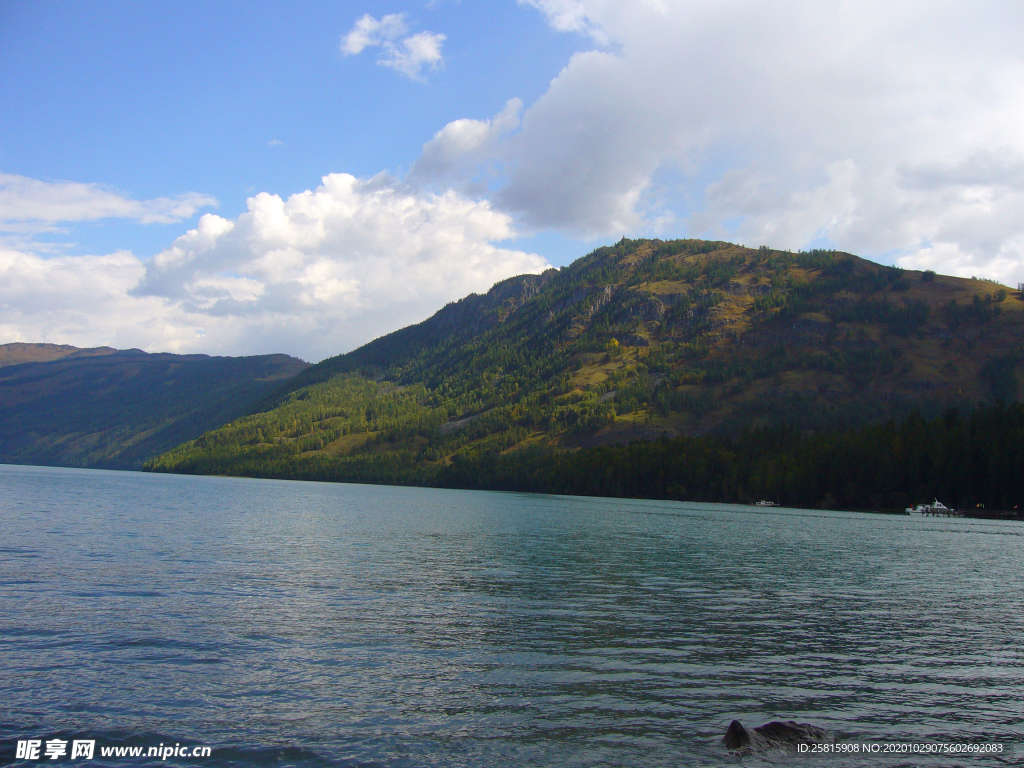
162,99
239,178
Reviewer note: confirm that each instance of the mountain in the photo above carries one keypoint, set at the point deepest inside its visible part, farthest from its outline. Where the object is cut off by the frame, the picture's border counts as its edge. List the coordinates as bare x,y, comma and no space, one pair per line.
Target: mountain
19,352
636,341
116,409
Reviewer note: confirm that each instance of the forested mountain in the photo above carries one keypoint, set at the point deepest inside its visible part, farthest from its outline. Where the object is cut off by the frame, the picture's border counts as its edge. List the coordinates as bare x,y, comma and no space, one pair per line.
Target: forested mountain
116,409
643,339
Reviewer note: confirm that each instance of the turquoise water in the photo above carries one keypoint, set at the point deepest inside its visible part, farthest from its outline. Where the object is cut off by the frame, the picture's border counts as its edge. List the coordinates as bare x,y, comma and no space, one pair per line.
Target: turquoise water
287,623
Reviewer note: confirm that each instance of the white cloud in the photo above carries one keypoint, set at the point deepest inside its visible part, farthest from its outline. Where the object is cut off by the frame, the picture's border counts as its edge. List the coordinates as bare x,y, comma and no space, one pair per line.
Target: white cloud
407,56
80,300
569,16
888,129
31,205
415,52
315,274
368,31
461,146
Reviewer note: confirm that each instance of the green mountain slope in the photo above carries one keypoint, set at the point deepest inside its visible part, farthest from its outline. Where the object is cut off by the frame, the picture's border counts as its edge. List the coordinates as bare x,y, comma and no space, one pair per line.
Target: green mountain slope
116,410
639,340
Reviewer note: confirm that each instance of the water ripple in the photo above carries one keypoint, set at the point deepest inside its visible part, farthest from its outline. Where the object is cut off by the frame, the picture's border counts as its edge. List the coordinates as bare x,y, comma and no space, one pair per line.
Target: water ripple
331,625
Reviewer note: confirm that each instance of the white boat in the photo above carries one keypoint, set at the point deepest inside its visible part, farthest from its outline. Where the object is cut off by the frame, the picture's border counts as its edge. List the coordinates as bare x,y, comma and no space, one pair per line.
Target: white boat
763,503
935,509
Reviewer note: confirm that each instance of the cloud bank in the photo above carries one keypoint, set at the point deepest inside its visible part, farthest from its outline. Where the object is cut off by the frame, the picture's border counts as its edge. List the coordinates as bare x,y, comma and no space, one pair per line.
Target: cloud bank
31,205
890,130
315,274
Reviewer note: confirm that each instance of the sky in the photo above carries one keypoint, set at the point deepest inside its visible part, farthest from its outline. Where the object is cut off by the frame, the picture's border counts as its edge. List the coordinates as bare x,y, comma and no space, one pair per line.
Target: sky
248,178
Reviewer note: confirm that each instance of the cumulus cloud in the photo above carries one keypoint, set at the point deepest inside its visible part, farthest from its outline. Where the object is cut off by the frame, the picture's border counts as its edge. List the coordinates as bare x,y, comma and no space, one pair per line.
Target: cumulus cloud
315,274
31,205
81,300
406,55
458,149
886,129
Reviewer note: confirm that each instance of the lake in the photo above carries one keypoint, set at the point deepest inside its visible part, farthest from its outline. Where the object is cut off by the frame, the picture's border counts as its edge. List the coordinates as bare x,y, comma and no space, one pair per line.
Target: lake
313,624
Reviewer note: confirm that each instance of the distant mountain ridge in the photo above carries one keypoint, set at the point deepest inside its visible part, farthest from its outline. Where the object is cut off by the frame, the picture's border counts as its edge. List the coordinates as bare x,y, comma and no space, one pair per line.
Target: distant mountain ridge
116,409
635,341
19,352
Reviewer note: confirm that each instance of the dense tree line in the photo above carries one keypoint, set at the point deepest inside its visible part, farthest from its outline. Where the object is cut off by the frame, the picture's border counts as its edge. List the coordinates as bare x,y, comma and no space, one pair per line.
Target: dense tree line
964,461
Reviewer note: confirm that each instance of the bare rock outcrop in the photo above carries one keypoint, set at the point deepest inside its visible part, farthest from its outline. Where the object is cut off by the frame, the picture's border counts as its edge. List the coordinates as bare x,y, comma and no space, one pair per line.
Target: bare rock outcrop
774,735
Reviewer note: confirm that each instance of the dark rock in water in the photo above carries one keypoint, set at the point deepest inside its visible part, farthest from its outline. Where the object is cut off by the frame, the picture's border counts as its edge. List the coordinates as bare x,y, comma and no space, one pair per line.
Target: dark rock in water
774,735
